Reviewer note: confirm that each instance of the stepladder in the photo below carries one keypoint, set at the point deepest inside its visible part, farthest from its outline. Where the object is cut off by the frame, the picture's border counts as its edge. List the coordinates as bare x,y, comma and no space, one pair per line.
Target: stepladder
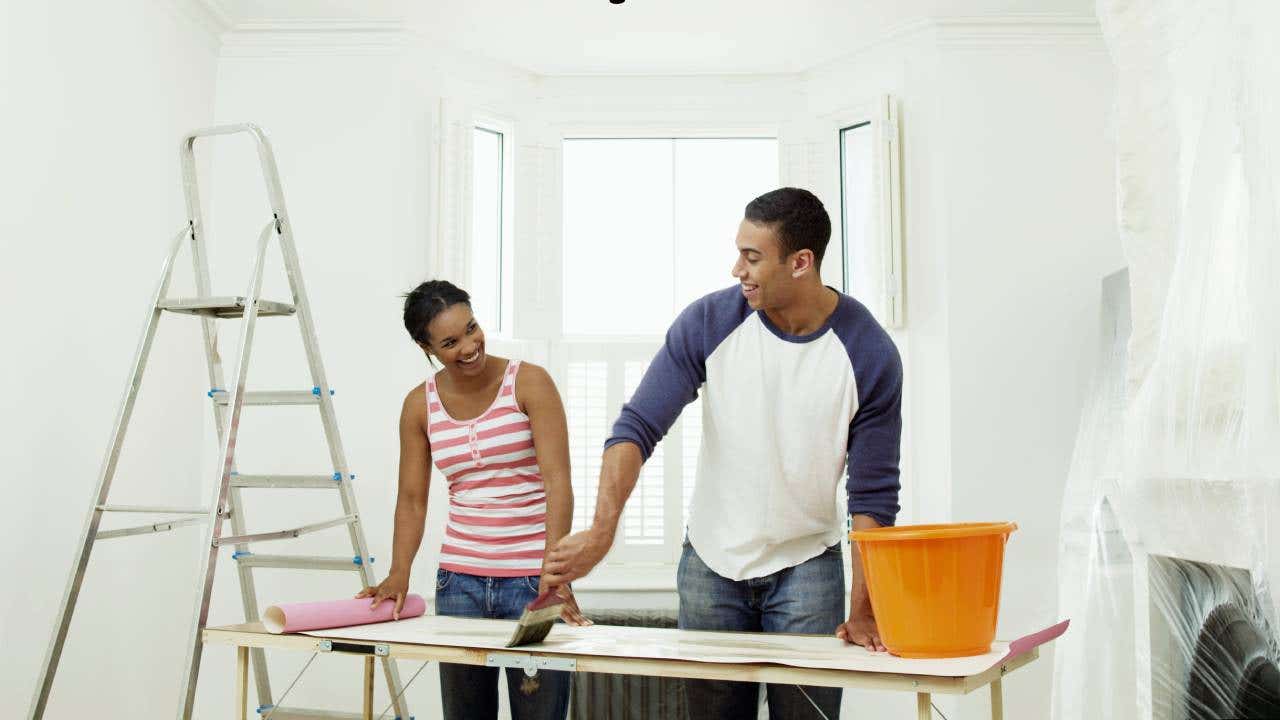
222,521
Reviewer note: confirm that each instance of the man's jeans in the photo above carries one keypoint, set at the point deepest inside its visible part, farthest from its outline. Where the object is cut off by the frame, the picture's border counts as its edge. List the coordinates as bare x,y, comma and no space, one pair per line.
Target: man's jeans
469,692
808,598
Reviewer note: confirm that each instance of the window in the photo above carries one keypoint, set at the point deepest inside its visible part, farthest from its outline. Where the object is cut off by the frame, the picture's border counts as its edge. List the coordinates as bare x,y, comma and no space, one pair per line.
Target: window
856,199
870,209
487,226
667,210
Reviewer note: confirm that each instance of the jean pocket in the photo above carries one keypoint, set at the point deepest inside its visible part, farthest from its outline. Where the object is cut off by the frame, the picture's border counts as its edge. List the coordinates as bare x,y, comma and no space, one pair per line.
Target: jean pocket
531,582
442,579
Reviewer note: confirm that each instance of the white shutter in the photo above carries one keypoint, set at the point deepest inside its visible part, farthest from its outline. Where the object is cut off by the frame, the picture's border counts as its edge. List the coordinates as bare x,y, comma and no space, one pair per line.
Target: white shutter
452,247
536,287
643,518
889,200
586,387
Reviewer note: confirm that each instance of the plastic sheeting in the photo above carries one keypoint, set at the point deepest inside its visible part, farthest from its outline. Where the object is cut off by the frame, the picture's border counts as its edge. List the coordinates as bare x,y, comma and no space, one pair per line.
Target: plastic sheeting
1168,551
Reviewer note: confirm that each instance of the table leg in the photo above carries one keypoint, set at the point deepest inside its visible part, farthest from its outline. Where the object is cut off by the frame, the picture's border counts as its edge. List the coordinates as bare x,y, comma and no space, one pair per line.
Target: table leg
242,683
997,701
924,706
368,687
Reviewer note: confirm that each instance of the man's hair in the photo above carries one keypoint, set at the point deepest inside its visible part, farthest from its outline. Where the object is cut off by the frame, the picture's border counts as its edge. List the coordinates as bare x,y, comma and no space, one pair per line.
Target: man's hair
428,300
797,217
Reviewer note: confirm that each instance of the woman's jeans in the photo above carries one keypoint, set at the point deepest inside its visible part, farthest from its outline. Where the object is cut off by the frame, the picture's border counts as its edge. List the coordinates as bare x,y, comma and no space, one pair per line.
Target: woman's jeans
470,692
807,598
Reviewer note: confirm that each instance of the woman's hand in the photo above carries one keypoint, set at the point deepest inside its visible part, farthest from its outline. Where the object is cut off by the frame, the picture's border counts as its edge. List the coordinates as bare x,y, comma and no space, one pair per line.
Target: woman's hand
395,587
569,612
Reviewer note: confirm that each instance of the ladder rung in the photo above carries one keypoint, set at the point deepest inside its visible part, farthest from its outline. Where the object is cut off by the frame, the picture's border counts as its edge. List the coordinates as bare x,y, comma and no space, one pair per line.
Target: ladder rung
270,397
314,482
284,534
298,562
144,529
153,509
229,306
286,713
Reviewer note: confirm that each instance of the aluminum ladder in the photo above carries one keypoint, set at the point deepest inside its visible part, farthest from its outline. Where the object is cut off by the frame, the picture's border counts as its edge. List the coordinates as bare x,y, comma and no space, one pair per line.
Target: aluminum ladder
227,402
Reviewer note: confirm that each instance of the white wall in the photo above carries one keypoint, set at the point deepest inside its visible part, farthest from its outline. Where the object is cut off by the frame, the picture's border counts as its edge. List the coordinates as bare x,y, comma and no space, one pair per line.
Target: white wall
1009,228
95,99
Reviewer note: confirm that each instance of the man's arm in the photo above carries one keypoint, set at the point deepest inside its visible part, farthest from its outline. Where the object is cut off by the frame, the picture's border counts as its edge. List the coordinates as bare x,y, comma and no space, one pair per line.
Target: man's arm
875,442
670,383
577,554
860,627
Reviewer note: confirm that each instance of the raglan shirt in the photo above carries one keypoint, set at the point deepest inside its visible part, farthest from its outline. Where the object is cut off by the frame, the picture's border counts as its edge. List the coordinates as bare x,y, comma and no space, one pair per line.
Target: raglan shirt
783,416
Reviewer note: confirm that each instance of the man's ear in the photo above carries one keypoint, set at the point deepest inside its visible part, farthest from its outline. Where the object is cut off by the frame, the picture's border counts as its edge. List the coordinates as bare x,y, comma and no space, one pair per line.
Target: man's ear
801,262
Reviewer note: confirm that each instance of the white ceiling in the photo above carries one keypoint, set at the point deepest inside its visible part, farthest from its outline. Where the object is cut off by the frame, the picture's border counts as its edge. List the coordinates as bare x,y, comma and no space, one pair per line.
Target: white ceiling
566,37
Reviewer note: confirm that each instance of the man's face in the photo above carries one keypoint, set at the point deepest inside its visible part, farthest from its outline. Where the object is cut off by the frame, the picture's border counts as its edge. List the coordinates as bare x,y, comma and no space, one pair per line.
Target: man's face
765,277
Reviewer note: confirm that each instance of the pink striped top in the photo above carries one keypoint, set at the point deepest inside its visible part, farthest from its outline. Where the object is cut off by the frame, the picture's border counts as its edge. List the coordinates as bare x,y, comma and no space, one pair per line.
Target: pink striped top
497,503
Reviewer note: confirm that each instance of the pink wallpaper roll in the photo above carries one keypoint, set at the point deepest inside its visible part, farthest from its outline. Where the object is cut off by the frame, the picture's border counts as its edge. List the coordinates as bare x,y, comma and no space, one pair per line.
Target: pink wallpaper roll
299,617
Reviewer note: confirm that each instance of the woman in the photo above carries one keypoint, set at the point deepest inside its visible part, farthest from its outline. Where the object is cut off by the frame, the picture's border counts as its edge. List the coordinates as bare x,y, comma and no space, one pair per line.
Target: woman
496,429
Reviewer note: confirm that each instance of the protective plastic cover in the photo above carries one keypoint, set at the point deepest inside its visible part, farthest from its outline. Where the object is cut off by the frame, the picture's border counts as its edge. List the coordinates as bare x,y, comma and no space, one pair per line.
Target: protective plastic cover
1167,550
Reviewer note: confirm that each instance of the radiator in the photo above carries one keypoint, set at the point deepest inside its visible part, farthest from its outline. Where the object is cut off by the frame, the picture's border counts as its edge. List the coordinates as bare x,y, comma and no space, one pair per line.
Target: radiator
596,696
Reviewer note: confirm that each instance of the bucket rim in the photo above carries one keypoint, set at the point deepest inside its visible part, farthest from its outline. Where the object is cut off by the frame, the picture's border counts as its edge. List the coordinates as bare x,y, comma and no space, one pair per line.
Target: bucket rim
934,531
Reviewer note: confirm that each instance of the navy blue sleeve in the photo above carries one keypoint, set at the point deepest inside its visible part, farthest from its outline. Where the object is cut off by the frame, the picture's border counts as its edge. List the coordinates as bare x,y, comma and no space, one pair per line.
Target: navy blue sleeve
875,433
678,370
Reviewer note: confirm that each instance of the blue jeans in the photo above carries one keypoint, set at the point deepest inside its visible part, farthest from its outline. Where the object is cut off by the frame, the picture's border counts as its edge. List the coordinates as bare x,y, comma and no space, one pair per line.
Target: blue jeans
470,692
807,598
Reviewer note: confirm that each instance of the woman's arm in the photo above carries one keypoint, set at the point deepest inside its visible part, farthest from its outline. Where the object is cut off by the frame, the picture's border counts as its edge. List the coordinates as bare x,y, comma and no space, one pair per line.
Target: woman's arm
537,396
411,502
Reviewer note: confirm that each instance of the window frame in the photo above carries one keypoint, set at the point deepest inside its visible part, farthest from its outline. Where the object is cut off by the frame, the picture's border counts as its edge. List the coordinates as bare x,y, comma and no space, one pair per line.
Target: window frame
505,130
882,115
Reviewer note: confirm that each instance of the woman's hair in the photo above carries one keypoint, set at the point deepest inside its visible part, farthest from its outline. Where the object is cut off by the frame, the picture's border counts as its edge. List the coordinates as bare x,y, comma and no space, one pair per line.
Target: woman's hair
428,300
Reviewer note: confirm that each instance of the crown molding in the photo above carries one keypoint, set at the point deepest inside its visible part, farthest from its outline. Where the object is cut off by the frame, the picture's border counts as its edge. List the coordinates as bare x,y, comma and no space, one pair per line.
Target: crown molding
207,16
284,37
266,37
978,32
1021,30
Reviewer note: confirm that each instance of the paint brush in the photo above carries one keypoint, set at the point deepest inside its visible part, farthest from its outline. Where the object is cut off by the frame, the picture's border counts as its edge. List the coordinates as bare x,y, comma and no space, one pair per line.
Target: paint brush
537,619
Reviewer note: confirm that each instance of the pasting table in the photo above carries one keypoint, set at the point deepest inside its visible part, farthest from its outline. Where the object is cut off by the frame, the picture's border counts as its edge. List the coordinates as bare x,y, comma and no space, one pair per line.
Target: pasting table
751,657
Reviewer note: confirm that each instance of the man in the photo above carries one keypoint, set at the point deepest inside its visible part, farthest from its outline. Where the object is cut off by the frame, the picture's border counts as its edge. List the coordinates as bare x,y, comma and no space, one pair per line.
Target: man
798,381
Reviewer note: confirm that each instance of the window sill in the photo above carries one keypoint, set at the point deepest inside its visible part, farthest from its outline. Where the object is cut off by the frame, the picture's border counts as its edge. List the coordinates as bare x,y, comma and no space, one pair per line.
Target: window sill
629,577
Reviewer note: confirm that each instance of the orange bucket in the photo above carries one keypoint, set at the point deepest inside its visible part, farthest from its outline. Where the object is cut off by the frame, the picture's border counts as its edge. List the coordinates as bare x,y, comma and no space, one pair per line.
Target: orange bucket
935,589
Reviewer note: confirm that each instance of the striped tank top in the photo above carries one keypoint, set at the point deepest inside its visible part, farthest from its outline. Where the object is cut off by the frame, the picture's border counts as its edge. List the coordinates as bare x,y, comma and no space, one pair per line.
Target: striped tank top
497,502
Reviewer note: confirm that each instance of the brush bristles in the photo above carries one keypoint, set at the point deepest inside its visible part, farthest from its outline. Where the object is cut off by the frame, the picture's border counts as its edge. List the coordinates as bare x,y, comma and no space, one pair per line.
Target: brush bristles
535,625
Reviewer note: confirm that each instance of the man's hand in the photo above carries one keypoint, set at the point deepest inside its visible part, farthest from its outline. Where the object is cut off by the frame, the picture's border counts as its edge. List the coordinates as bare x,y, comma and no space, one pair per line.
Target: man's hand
575,556
395,587
569,612
860,629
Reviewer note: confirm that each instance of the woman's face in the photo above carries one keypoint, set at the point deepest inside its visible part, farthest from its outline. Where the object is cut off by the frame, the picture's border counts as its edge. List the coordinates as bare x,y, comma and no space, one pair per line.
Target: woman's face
456,340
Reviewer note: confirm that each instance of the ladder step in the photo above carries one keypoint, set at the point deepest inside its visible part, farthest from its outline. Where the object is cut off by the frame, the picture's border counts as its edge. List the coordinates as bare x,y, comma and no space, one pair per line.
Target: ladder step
229,306
284,534
297,562
154,509
286,713
269,397
302,482
144,529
